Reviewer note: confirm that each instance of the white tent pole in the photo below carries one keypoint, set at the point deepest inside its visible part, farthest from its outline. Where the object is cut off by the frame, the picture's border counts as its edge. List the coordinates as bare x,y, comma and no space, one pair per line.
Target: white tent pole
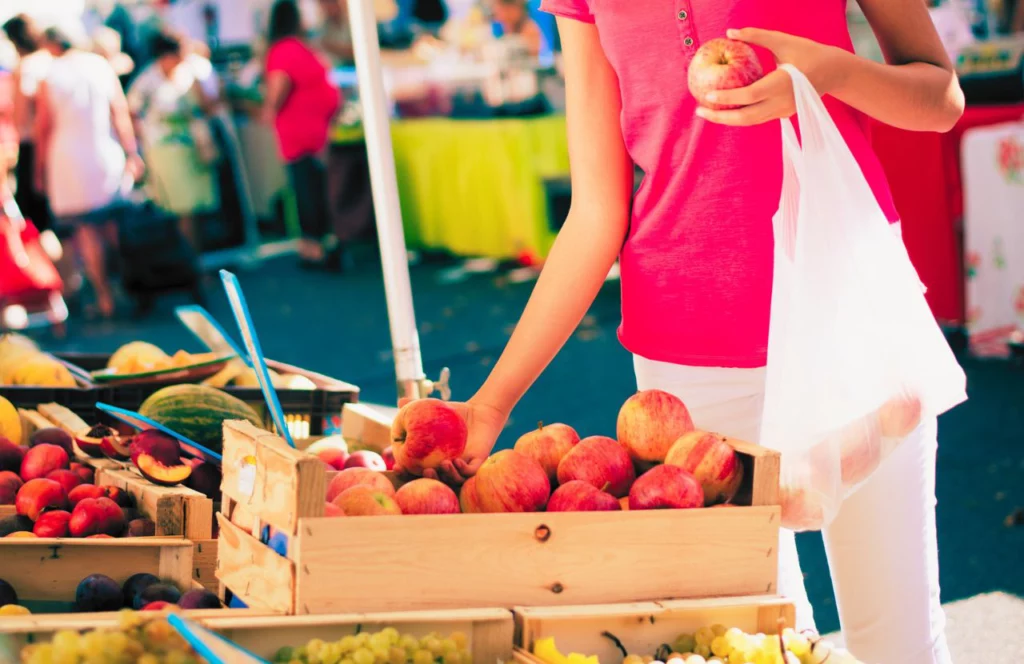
394,259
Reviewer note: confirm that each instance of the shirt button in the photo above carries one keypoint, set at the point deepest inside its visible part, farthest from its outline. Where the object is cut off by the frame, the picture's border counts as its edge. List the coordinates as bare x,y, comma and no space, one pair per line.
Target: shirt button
682,15
688,41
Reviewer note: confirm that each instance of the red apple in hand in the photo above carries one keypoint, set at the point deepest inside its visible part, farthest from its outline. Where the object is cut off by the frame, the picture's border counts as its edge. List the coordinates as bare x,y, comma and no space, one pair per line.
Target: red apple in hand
722,64
426,433
512,482
650,422
548,445
601,462
665,488
579,496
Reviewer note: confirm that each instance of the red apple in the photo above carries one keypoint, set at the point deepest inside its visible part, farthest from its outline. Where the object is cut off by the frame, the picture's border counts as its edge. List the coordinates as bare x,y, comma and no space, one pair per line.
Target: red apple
42,460
649,422
366,459
330,509
426,433
713,461
388,454
366,501
52,524
512,482
580,496
38,495
469,501
333,457
722,64
601,462
10,484
665,488
547,445
67,479
426,496
351,477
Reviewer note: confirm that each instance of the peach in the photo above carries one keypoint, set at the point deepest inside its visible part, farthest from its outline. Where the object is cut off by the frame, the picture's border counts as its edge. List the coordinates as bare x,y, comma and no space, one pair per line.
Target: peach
157,473
366,501
512,482
666,488
469,501
426,433
580,496
712,460
119,496
158,445
116,447
85,491
351,477
601,462
11,455
38,495
52,524
42,460
92,441
426,496
95,516
10,483
547,445
87,474
650,422
67,479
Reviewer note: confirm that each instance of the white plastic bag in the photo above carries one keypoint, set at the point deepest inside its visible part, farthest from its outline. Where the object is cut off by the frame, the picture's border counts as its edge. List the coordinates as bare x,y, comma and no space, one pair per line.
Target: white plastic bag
855,358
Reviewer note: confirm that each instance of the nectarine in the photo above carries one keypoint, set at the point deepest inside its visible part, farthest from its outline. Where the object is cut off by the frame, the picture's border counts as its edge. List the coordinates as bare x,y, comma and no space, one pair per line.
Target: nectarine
38,495
93,516
42,460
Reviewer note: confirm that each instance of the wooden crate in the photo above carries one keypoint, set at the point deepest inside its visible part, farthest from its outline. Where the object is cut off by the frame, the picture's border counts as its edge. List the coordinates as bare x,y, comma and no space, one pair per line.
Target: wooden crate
490,631
644,627
46,572
204,565
477,560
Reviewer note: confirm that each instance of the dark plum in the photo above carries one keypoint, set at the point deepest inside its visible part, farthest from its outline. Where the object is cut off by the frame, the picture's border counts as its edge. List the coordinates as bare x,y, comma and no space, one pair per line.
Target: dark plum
98,592
134,586
54,436
11,455
15,524
157,592
205,479
7,594
199,599
140,528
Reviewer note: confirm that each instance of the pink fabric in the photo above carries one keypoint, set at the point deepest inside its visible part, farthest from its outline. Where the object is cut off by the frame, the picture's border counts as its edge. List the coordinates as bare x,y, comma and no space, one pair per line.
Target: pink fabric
696,268
304,121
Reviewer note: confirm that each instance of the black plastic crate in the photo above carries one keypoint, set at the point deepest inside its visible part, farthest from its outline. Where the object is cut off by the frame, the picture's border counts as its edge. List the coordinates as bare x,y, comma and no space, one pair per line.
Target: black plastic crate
80,400
307,412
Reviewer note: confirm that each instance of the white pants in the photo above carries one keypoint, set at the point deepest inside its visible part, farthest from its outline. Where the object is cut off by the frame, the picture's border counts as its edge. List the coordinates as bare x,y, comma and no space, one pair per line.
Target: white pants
881,547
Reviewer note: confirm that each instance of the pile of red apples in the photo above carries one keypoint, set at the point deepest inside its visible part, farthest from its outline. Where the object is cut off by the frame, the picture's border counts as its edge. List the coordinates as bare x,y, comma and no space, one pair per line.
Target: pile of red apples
659,461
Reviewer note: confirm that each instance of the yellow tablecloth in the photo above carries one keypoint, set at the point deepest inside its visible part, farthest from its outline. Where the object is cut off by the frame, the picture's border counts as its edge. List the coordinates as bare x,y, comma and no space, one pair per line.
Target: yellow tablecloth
475,187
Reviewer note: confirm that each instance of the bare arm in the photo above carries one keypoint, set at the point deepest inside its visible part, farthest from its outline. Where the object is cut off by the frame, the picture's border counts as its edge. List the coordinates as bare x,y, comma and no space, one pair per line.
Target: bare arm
590,240
121,119
278,86
42,129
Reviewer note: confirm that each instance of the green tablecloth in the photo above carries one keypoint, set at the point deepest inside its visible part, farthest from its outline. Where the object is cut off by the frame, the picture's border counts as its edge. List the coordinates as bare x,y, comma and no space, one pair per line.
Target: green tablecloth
476,187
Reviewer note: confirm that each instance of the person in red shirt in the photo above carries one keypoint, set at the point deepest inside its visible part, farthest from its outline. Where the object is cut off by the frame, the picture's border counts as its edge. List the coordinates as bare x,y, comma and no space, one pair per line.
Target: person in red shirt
695,250
301,103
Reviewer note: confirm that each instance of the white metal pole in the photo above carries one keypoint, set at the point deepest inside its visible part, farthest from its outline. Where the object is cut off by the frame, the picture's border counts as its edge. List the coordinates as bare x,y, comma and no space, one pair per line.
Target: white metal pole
394,259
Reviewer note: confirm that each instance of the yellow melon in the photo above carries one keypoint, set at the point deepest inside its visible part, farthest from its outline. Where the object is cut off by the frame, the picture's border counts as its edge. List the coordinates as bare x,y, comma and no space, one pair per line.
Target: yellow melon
40,370
10,422
248,379
137,357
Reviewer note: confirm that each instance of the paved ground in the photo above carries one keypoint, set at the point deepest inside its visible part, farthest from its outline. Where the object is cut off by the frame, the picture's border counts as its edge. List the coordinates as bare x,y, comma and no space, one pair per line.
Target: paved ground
338,325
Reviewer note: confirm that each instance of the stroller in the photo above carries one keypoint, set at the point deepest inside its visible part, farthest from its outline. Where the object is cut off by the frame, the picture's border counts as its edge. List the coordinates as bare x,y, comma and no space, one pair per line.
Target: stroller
31,290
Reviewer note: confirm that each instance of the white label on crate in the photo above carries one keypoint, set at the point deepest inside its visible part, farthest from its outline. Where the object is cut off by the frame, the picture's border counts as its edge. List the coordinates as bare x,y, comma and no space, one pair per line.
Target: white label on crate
247,476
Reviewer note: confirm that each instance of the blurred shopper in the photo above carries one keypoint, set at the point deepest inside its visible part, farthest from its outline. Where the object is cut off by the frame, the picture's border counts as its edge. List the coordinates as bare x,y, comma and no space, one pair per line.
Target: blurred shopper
301,103
86,153
336,32
107,43
513,17
33,64
169,105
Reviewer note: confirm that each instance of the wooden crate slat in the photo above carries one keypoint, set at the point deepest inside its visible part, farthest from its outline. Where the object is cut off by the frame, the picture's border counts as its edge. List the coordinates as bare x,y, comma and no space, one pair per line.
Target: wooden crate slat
254,572
204,564
269,478
176,510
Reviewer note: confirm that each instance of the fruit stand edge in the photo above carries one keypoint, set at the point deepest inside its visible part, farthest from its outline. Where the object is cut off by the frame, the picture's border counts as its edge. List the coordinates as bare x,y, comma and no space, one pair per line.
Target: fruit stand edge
255,573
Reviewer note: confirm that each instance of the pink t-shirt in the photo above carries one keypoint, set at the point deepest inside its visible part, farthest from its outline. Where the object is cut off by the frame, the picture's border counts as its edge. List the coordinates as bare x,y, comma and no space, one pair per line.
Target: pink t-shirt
696,268
304,121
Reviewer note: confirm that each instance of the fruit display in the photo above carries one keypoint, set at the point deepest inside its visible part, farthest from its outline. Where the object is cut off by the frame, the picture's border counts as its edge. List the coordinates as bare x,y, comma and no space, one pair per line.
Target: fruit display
141,357
722,64
136,639
386,646
717,644
197,412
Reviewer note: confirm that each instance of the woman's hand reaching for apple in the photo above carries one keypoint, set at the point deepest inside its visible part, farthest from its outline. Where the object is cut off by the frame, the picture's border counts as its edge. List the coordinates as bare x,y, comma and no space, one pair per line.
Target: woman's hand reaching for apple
484,423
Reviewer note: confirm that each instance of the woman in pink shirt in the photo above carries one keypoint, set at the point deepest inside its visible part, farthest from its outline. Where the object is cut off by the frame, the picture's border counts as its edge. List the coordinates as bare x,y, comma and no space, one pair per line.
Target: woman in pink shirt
695,249
300,104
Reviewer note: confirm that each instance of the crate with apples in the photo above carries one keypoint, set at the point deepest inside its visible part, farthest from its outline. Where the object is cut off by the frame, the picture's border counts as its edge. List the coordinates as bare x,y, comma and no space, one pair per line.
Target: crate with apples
736,630
482,636
663,512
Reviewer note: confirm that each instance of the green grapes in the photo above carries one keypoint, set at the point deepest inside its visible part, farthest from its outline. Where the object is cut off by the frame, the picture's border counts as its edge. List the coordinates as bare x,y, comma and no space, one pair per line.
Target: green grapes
718,645
135,640
387,646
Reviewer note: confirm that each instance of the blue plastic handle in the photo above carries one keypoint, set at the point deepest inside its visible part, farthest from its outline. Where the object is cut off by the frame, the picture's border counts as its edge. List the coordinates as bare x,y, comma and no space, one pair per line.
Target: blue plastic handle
203,641
252,344
141,422
194,309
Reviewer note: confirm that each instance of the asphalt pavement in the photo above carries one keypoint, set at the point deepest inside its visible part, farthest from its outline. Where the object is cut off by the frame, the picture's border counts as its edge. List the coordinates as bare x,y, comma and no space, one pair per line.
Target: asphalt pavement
337,324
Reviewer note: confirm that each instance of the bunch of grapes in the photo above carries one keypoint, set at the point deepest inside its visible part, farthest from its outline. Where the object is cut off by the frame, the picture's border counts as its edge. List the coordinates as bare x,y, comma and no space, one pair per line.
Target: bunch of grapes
384,647
135,640
718,645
